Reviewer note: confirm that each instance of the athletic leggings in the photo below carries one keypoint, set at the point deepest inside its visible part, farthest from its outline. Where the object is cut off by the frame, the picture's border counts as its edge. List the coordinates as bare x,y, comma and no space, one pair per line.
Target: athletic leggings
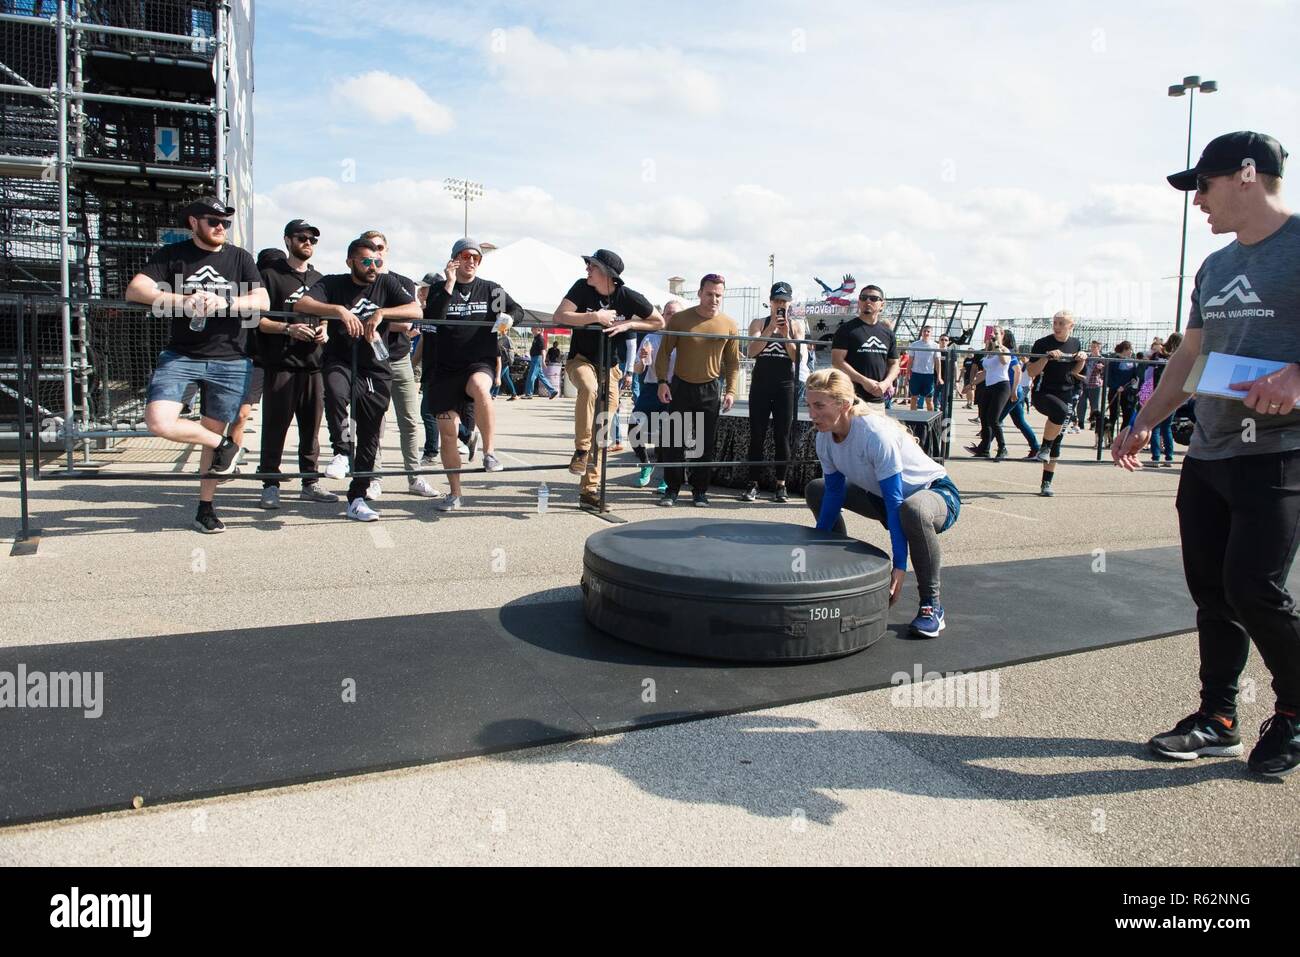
774,399
991,404
923,514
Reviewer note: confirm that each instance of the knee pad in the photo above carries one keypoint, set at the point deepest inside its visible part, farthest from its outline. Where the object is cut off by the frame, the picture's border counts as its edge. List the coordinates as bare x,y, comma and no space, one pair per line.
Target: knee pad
1056,446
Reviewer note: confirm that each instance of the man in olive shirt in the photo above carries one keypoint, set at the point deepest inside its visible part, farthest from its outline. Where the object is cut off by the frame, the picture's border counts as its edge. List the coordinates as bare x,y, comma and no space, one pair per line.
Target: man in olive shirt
693,395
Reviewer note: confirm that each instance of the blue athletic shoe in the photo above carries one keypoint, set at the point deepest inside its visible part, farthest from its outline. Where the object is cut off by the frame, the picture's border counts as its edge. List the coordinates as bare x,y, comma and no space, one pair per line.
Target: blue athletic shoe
928,621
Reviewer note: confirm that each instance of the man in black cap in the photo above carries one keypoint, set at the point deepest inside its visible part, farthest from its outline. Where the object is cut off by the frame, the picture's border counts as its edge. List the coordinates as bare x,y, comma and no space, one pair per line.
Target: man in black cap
290,352
213,293
363,306
600,305
1239,493
772,389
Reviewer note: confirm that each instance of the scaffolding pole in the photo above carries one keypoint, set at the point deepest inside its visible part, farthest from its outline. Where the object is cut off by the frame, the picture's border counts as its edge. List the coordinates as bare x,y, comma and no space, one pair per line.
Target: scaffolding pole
84,27
65,283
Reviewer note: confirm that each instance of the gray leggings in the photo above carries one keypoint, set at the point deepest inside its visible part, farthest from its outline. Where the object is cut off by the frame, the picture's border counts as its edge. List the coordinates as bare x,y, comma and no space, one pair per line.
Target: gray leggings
923,514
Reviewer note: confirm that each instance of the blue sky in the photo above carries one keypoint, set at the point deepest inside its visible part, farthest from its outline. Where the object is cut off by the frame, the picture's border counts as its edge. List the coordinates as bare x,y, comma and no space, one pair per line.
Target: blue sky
1009,152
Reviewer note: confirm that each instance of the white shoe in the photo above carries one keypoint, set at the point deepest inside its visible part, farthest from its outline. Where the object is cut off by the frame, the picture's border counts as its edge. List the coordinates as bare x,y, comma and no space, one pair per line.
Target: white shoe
361,512
423,489
374,491
449,503
338,467
464,450
474,440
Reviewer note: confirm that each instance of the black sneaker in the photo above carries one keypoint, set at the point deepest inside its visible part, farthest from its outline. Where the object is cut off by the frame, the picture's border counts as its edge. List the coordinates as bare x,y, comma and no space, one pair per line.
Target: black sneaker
1196,736
751,493
668,500
1278,751
1002,454
225,457
206,521
1031,457
781,495
700,499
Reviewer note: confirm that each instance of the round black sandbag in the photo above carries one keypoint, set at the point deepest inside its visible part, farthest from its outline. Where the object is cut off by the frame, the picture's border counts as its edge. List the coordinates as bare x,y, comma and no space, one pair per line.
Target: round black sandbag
736,590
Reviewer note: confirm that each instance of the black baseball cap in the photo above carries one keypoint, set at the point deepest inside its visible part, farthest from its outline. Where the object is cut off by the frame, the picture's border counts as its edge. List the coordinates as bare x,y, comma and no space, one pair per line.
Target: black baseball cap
1231,152
608,261
781,290
208,206
299,226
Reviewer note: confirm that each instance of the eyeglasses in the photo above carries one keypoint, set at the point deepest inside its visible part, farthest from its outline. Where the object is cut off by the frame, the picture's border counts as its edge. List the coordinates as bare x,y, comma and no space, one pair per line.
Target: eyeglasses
303,238
376,262
215,222
871,299
713,277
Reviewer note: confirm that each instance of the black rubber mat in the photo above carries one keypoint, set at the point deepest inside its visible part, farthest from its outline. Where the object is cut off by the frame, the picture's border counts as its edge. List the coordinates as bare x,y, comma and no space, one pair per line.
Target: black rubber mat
193,715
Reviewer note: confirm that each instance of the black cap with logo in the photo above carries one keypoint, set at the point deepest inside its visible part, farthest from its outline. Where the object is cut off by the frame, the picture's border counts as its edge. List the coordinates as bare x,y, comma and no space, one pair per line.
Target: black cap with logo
294,226
781,290
207,206
1231,152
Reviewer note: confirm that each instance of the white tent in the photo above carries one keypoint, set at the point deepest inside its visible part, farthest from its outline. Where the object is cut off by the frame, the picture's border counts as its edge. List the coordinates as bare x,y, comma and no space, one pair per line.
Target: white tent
537,276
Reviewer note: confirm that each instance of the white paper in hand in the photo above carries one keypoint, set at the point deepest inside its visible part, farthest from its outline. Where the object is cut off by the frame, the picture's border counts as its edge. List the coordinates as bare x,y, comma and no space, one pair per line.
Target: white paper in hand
1222,369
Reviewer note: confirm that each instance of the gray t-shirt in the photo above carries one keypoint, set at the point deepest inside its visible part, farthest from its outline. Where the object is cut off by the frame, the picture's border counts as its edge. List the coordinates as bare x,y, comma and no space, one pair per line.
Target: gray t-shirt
875,449
1247,302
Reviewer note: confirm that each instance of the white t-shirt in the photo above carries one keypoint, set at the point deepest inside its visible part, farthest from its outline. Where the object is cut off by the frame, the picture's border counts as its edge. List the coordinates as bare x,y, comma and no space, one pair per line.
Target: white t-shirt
875,449
995,370
656,340
923,355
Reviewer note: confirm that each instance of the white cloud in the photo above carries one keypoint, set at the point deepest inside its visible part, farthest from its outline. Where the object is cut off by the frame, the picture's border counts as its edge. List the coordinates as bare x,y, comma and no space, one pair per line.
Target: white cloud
392,99
1129,204
1012,210
642,77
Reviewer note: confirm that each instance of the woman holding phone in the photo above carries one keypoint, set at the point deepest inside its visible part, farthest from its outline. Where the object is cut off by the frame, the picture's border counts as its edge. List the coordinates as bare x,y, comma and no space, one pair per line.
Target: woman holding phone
873,466
994,373
771,390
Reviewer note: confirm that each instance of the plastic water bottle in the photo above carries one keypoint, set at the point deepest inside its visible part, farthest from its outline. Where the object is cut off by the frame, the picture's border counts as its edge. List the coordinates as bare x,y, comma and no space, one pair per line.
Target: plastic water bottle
381,350
543,497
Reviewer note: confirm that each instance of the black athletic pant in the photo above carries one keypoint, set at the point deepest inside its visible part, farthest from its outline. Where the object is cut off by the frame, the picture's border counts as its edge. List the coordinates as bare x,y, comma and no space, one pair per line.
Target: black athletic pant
287,395
371,398
695,408
991,403
775,400
1238,519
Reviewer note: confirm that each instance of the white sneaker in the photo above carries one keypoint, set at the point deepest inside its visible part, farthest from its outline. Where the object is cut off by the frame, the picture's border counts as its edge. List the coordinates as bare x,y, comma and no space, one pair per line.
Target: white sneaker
270,497
374,491
464,449
474,440
338,467
449,503
423,489
361,512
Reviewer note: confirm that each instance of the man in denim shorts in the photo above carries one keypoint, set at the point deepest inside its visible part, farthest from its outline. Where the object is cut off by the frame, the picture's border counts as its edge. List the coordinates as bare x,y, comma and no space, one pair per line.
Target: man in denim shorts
213,293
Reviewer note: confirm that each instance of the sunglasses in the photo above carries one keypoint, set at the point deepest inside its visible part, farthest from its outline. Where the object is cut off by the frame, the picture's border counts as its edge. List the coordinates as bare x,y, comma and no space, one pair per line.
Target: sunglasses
871,299
376,262
302,238
468,257
215,221
1203,179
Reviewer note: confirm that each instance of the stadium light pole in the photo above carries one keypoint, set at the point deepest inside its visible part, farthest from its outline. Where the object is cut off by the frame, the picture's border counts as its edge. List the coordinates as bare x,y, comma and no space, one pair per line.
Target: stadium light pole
1189,86
466,191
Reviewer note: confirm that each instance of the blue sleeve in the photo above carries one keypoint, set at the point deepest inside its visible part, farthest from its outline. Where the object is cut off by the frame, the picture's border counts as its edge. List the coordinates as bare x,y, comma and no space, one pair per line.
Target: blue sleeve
892,490
832,501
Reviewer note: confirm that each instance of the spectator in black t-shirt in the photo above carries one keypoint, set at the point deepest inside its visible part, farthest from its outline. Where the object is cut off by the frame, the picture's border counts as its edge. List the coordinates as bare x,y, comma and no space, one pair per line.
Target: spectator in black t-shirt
289,353
363,306
465,364
535,371
600,305
212,292
864,348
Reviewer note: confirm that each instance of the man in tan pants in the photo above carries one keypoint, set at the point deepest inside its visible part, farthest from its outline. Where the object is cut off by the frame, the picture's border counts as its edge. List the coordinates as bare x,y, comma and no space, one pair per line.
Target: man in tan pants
600,305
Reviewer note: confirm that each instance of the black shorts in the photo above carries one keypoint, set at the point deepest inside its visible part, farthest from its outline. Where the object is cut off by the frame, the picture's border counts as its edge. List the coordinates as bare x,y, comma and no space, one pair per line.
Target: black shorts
1053,405
447,389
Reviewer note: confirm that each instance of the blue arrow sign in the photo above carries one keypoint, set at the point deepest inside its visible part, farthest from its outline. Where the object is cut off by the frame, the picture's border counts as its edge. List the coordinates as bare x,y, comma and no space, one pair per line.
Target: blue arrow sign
167,144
